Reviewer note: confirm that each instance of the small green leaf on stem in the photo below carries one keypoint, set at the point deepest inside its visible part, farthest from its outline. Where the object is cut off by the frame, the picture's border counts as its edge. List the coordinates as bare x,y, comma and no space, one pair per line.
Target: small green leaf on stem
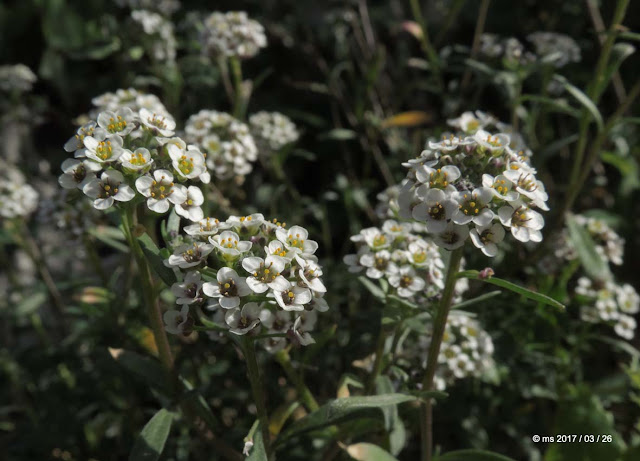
150,442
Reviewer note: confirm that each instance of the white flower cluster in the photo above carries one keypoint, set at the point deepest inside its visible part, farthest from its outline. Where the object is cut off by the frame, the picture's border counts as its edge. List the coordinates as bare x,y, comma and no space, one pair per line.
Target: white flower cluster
609,303
555,48
474,186
272,130
510,50
17,198
409,263
608,243
466,351
232,34
110,164
160,31
16,77
131,98
230,148
254,274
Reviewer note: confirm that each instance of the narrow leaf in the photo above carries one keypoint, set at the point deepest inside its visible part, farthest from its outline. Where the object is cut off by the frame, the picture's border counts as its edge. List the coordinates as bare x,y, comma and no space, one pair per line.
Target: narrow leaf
257,452
339,134
591,260
374,289
369,452
476,300
150,442
582,98
144,367
539,297
156,261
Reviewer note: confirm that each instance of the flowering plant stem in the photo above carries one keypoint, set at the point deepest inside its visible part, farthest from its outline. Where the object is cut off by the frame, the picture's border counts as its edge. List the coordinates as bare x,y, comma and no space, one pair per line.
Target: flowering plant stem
439,324
307,398
253,372
377,364
238,100
425,42
151,302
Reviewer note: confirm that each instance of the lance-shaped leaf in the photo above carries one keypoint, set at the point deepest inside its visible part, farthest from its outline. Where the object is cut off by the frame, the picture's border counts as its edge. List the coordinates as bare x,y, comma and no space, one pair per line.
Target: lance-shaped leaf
156,261
583,99
529,294
582,242
150,442
257,452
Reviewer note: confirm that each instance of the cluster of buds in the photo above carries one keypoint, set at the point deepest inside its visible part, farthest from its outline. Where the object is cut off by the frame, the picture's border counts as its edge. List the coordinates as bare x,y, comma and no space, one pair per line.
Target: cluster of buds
272,131
232,34
124,153
554,48
474,185
229,146
410,264
256,276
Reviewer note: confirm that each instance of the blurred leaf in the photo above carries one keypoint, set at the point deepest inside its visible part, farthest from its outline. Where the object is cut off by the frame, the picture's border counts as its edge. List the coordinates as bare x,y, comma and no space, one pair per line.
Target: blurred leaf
392,421
346,381
111,236
591,260
30,303
258,452
408,119
552,104
582,98
339,134
369,452
473,455
146,368
628,168
280,416
150,443
619,53
156,261
341,410
374,289
476,300
513,287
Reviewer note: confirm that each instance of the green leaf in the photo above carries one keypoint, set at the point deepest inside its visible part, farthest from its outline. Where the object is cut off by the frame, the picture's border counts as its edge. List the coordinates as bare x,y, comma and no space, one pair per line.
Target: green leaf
30,303
555,105
619,53
591,260
476,300
144,367
340,410
539,297
150,442
369,452
472,455
374,289
392,421
628,168
156,261
339,134
258,452
583,99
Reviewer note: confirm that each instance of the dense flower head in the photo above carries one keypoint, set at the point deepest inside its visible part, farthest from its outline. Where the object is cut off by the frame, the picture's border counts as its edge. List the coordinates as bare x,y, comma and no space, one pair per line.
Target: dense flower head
272,130
507,49
609,303
474,186
411,264
466,352
160,30
127,98
255,276
607,242
232,34
17,198
557,49
16,77
230,148
123,153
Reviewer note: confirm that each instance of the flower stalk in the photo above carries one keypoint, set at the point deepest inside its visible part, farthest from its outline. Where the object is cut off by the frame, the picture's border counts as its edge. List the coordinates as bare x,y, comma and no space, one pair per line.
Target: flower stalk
253,372
439,325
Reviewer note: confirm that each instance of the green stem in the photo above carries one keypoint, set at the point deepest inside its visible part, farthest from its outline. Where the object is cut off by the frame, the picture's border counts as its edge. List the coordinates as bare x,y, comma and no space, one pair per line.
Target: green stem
482,17
377,364
439,324
425,42
284,359
257,388
239,96
151,301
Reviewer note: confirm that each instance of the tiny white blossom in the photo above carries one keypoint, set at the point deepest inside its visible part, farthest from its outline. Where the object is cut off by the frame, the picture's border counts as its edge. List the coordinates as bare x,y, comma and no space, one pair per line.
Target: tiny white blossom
111,186
189,255
160,190
229,289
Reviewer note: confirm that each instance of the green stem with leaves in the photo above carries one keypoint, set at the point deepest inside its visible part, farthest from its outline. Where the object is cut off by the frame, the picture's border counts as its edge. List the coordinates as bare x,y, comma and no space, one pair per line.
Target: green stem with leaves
426,44
439,325
305,395
253,372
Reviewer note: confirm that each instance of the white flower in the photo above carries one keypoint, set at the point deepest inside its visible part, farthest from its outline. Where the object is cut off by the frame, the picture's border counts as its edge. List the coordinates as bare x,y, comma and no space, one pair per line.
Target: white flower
228,290
109,187
265,273
76,142
188,291
158,124
249,223
190,208
378,264
628,299
373,237
289,296
272,130
423,254
189,255
276,248
120,122
206,228
178,322
160,190
436,209
138,161
473,207
449,144
232,34
527,185
75,175
295,239
394,229
438,178
500,186
452,237
487,237
301,326
625,326
105,151
242,321
525,223
495,144
230,245
406,282
310,274
189,164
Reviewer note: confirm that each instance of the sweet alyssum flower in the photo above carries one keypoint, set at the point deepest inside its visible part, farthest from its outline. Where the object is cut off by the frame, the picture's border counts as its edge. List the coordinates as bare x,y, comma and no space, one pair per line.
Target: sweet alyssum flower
272,131
247,289
125,151
232,34
17,198
465,188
